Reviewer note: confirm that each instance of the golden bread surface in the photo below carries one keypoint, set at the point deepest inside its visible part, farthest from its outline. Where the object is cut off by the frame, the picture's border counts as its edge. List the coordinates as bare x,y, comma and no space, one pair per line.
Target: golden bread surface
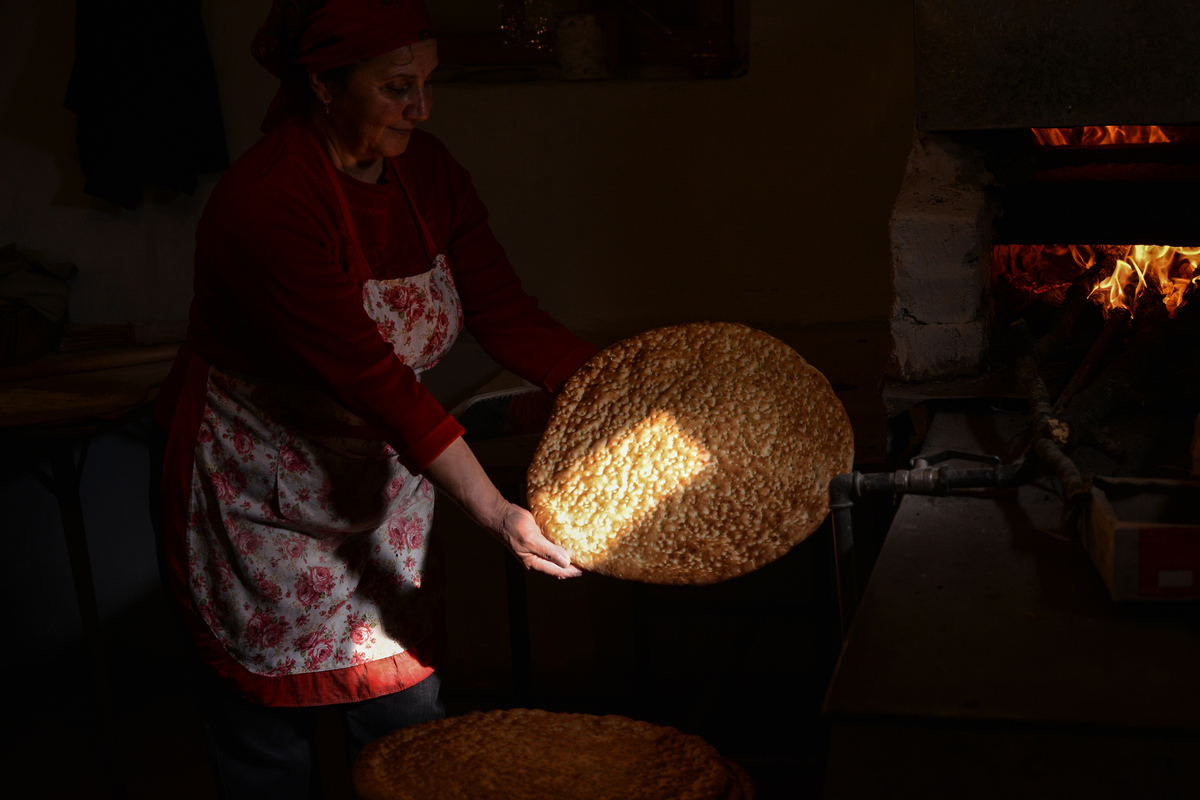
689,455
524,754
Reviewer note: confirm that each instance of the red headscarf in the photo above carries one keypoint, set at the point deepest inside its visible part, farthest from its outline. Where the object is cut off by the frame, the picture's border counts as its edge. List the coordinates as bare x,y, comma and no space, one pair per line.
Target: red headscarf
302,36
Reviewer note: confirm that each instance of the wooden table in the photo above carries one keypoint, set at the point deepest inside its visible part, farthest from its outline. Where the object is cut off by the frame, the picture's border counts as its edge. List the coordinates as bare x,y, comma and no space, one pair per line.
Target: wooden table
50,410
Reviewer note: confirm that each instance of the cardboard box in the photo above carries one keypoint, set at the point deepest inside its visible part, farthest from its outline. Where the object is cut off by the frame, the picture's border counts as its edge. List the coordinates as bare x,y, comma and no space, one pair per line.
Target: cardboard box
1144,537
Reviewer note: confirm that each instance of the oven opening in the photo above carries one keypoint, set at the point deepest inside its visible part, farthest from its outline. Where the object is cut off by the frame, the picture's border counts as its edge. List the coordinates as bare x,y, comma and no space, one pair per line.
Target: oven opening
1128,280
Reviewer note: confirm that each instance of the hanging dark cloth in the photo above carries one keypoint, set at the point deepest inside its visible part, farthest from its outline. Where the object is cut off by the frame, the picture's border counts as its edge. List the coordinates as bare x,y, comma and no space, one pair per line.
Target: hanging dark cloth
144,93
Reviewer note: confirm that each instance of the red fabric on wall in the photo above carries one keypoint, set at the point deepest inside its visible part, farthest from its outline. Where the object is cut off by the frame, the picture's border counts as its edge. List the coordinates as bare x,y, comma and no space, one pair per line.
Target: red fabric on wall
144,93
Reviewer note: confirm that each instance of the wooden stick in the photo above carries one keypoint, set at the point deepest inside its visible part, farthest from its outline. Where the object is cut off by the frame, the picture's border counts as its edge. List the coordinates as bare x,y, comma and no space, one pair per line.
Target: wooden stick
1118,320
1073,304
97,326
91,336
1122,382
96,337
52,365
1047,433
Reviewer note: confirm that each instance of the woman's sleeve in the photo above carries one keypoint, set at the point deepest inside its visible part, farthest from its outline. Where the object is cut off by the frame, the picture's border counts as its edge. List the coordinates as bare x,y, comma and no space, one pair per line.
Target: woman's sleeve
275,257
504,319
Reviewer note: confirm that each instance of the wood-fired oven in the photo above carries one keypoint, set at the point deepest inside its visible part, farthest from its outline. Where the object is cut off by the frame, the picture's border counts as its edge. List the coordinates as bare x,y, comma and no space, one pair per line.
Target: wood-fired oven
1047,314
1054,179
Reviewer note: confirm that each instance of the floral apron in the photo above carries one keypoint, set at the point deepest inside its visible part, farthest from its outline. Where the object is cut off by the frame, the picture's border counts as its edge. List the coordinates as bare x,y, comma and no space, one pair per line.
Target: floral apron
306,546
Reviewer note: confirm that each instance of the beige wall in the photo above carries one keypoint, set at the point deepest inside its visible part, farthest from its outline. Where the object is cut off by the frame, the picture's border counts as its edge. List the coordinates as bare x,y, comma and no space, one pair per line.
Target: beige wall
624,205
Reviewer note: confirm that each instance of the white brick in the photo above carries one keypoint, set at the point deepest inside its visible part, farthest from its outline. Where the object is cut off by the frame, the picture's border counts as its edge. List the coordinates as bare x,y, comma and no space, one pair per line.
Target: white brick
940,228
922,352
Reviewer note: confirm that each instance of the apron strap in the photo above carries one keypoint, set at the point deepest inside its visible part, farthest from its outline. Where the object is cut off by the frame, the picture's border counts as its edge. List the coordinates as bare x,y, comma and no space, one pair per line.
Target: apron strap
358,261
431,249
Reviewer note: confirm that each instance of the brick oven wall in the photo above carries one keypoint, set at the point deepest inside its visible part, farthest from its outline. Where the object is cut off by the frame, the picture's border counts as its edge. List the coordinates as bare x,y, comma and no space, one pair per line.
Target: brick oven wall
940,229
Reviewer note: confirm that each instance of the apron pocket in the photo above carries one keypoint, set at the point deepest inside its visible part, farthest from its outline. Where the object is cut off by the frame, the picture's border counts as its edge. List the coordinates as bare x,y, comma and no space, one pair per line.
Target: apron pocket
335,488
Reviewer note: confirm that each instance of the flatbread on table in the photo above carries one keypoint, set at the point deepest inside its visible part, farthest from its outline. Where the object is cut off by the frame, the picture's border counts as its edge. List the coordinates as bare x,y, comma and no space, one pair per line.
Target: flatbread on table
689,455
522,754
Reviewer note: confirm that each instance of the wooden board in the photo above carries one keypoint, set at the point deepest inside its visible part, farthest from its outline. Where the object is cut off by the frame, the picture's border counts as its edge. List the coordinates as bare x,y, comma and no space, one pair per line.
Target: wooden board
68,398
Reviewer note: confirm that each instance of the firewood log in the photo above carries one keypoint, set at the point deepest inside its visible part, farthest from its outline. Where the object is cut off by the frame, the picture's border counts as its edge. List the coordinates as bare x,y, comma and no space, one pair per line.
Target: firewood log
1123,381
1048,434
1055,340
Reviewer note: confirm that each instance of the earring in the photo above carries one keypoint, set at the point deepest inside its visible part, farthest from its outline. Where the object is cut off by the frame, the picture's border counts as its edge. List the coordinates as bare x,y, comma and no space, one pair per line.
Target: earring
326,106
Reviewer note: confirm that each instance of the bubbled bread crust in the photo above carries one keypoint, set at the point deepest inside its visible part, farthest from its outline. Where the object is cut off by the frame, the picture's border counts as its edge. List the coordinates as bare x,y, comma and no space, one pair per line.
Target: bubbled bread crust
689,455
522,754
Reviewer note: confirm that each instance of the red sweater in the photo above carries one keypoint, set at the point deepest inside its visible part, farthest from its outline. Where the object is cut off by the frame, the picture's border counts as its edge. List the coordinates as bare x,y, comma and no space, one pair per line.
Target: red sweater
273,296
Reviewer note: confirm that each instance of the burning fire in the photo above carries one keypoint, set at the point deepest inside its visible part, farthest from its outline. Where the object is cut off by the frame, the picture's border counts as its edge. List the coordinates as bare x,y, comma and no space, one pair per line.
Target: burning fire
1165,271
1101,135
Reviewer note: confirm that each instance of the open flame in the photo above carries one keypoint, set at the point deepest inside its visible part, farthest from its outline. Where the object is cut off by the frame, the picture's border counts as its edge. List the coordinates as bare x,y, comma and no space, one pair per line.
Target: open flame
1165,271
1097,135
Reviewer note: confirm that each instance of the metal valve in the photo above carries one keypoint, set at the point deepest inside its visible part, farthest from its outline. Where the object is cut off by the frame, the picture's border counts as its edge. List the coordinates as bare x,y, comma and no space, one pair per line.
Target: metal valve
925,476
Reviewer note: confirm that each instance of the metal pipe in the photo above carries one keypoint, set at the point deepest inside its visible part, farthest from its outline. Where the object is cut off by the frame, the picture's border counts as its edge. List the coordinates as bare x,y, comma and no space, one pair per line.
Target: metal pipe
999,477
841,490
922,479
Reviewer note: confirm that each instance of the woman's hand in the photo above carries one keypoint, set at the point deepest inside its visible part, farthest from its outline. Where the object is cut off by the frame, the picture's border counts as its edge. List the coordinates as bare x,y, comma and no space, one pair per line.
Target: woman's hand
458,475
521,535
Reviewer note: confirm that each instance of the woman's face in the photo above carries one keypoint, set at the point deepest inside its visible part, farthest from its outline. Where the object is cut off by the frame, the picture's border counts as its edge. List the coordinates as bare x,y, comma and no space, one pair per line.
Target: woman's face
384,99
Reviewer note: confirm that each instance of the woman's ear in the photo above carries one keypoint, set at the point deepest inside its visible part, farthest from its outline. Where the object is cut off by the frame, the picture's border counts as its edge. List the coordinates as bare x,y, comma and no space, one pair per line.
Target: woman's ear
322,91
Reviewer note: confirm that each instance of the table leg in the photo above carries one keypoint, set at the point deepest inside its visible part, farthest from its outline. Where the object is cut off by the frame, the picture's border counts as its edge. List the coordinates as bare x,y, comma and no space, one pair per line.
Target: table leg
63,483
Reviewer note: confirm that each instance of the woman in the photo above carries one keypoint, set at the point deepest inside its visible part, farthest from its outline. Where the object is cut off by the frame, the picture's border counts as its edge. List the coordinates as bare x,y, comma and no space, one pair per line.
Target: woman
335,262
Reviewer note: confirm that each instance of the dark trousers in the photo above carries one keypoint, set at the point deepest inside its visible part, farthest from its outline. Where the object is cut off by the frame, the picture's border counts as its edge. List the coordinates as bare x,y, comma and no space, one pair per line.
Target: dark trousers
260,752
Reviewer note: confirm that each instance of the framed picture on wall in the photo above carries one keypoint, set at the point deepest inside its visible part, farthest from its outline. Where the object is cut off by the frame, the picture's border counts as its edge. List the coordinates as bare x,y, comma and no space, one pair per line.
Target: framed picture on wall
636,38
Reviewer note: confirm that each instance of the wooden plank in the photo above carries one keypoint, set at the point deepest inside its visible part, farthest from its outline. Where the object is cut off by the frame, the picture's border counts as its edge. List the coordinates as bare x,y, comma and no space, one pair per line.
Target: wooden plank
108,358
65,398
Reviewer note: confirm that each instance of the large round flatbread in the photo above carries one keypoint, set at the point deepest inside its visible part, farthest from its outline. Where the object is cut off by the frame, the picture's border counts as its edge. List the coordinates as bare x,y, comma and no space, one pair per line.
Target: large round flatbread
523,753
689,455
